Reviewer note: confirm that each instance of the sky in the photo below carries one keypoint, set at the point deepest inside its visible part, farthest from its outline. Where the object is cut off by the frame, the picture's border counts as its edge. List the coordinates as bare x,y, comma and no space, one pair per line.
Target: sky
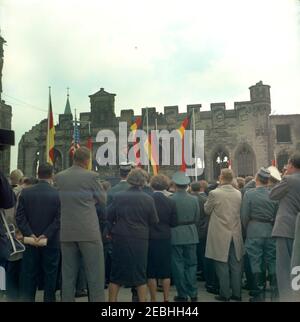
150,53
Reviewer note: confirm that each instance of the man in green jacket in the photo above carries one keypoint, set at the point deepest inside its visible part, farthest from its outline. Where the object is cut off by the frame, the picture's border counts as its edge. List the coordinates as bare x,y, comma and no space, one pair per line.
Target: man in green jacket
258,213
184,239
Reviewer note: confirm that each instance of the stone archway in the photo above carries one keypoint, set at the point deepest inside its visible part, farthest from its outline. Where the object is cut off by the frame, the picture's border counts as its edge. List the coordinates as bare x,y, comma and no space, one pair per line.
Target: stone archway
245,162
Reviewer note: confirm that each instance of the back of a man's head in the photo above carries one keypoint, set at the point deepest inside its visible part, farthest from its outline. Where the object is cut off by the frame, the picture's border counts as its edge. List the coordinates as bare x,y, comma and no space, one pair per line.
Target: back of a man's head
294,160
203,185
248,179
195,186
81,156
226,176
45,171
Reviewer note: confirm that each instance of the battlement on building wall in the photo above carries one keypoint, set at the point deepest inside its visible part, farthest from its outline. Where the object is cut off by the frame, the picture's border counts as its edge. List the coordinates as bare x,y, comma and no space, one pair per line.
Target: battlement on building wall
102,110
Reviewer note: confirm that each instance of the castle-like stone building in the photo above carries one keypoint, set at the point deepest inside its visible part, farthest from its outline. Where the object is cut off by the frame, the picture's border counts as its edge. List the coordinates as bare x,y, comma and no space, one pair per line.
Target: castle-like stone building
248,135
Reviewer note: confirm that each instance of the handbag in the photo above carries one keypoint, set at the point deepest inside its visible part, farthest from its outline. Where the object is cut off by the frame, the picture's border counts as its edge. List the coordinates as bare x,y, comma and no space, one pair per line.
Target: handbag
12,244
4,245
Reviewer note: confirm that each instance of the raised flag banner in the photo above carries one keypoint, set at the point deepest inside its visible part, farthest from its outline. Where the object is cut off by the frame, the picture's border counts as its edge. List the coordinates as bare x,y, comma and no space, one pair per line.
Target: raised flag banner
150,148
89,145
274,161
134,127
184,125
76,139
229,164
50,133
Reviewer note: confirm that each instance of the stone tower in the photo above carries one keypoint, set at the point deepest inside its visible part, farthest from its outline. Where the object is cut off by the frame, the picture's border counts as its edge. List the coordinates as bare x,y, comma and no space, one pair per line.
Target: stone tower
102,109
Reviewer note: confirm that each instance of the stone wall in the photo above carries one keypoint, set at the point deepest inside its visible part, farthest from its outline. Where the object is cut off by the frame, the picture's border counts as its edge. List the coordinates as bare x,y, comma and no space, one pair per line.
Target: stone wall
245,135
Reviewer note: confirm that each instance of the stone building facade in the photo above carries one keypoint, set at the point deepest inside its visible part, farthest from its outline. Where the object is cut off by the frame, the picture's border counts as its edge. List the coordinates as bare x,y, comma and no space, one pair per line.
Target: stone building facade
248,135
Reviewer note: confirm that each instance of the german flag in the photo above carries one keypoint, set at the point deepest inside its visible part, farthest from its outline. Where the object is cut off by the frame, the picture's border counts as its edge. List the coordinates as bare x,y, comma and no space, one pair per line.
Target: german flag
151,151
50,133
134,127
184,125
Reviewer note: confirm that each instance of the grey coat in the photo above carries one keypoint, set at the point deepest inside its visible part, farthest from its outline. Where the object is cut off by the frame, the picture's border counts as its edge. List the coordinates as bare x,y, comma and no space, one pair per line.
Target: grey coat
288,193
223,205
258,213
79,191
296,247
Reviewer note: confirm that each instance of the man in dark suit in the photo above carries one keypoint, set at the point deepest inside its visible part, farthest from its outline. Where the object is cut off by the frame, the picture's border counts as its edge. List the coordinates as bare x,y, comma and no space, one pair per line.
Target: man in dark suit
288,194
38,216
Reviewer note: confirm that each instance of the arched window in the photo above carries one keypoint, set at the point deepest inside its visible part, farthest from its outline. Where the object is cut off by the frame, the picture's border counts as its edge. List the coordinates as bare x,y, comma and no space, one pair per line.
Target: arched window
245,162
220,161
36,163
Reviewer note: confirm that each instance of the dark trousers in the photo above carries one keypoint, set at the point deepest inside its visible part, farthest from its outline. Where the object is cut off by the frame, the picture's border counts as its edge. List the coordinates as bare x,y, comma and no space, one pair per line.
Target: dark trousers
248,272
207,265
107,249
201,255
35,258
13,280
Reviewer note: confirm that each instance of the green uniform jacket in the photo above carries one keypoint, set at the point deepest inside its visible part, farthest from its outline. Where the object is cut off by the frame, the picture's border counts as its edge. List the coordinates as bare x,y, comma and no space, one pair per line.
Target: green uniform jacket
258,213
188,214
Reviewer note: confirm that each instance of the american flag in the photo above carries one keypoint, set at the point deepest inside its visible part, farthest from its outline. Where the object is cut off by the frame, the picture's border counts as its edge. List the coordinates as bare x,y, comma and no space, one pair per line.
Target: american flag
76,139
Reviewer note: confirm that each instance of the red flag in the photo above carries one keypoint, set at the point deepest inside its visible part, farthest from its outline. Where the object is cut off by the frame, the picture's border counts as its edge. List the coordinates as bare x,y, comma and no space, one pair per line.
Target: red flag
134,127
184,125
89,145
151,151
274,161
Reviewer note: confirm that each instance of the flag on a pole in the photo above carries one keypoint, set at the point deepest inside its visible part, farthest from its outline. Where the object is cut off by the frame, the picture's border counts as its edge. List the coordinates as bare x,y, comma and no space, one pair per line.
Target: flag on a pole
229,164
184,125
274,161
50,133
76,139
134,127
151,152
89,145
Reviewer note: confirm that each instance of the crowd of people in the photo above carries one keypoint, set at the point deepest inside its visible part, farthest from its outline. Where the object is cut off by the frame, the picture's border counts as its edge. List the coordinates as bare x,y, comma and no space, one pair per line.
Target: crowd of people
149,232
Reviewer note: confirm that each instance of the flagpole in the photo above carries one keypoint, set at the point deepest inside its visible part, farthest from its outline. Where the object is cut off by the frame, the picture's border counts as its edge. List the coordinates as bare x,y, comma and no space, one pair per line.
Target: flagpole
194,139
48,128
148,139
